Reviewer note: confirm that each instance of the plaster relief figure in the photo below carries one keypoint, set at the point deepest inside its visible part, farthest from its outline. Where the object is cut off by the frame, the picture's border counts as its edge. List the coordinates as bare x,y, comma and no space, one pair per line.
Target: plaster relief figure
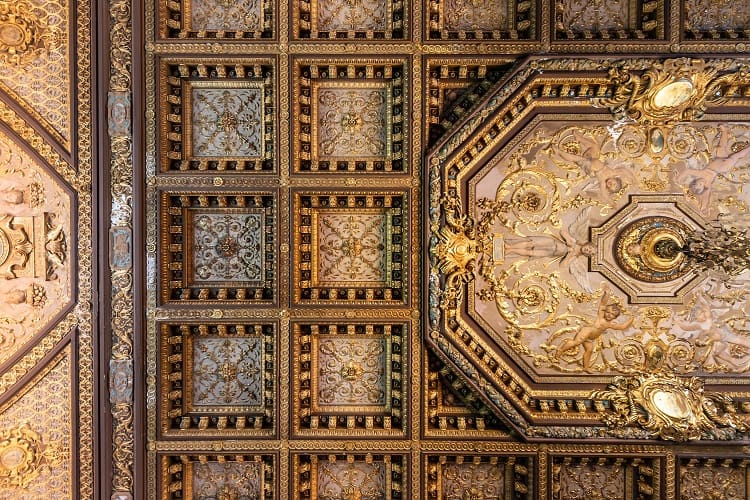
609,181
725,349
698,182
586,335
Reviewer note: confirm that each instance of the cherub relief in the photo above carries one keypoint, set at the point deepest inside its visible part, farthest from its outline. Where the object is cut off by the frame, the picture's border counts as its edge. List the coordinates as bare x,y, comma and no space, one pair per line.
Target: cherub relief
703,321
608,312
698,182
610,181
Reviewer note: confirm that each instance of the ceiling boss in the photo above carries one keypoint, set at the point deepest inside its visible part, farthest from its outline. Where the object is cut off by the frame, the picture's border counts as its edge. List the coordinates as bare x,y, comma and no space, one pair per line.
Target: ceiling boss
615,247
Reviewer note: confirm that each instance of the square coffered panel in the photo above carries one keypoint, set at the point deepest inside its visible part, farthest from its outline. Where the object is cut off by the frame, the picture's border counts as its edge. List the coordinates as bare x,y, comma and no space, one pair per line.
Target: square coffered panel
218,378
238,476
727,479
351,121
339,476
354,381
199,19
350,118
712,19
228,247
479,476
225,121
612,477
218,116
349,247
481,20
348,19
221,479
613,20
218,247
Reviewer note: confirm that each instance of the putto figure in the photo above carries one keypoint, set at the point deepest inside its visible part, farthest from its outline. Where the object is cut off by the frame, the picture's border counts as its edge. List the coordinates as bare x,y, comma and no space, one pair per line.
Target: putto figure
608,312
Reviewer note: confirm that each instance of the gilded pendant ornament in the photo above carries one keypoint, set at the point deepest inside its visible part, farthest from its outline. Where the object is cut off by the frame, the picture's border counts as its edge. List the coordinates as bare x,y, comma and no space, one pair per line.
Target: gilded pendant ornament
670,407
22,33
23,455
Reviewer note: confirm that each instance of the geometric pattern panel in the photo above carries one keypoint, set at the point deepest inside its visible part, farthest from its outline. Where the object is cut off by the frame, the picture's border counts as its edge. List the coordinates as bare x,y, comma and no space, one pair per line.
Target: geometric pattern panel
349,378
482,20
216,19
218,247
580,478
716,19
218,116
613,20
218,477
217,378
489,477
350,118
36,446
35,61
349,247
726,479
348,19
367,477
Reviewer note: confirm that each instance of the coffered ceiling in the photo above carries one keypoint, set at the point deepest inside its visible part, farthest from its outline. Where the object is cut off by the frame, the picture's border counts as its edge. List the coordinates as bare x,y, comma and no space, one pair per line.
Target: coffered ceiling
374,249
382,249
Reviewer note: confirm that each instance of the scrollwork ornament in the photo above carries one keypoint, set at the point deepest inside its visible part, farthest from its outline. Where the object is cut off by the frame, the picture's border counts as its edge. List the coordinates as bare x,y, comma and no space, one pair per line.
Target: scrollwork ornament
669,407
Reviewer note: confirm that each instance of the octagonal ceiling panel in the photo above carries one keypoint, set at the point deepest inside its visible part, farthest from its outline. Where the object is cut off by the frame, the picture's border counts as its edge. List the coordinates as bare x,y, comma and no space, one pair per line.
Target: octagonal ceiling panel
551,218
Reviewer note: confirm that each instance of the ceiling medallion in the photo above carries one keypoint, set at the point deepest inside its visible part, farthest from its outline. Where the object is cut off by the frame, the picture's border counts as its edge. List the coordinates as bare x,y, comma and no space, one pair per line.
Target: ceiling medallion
23,456
672,91
23,35
667,406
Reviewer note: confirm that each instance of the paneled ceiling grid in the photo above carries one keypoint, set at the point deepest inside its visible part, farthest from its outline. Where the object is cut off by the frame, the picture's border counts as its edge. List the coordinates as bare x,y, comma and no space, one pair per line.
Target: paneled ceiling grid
285,218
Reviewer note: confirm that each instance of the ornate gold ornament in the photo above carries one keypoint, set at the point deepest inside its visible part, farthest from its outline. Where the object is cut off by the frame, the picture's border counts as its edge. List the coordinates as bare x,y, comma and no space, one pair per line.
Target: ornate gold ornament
23,455
676,90
457,250
670,407
23,35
